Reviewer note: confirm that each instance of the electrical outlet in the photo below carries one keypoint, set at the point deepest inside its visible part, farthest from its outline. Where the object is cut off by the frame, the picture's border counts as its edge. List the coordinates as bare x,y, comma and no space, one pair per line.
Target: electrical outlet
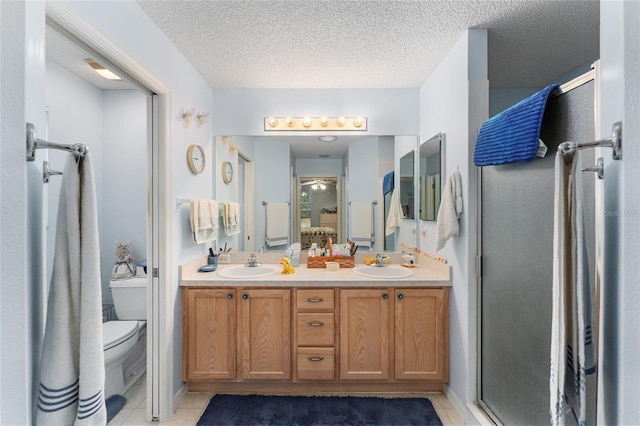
224,258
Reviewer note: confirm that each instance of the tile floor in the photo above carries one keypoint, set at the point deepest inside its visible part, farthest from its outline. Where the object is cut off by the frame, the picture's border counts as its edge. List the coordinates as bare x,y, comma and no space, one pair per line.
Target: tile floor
192,405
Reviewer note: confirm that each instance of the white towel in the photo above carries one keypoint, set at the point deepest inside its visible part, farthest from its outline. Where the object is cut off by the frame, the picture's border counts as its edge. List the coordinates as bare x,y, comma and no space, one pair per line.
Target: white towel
277,224
231,216
572,345
204,220
72,372
449,211
395,213
361,223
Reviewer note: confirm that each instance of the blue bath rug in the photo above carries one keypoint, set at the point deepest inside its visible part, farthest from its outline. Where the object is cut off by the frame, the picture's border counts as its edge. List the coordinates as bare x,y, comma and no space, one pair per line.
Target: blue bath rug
317,410
114,405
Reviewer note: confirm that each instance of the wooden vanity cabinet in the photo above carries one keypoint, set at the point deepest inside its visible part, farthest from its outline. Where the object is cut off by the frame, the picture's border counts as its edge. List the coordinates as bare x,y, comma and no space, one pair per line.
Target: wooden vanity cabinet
308,340
315,334
421,334
209,334
264,334
365,328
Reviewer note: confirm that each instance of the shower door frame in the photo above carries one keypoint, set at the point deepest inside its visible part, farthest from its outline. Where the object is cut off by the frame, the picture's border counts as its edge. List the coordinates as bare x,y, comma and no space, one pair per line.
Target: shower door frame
593,75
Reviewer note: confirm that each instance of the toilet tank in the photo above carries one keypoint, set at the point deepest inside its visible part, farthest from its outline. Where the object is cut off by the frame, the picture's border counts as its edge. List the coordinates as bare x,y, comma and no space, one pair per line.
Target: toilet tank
130,298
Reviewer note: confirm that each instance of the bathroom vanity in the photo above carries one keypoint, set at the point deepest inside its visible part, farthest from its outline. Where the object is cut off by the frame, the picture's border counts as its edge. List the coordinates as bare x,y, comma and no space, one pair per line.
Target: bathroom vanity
315,331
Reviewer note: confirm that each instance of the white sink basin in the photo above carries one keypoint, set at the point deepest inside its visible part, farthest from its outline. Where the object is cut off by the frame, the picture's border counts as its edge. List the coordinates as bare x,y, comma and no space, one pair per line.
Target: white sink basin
243,272
388,272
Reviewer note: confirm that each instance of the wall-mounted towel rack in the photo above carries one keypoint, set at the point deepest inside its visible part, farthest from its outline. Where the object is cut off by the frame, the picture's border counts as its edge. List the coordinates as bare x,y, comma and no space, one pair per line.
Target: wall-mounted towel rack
47,172
181,201
567,149
360,239
33,143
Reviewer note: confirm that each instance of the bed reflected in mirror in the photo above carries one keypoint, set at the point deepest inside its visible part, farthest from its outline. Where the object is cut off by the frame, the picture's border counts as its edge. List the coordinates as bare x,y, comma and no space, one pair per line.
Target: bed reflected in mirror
430,177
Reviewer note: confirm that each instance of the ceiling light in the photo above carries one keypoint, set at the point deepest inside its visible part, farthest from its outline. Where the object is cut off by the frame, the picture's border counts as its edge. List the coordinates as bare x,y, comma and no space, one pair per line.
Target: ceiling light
323,186
104,72
314,186
327,138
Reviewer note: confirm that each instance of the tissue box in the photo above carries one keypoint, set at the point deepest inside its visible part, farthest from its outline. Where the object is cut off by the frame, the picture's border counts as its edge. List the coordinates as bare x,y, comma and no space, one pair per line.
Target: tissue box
319,261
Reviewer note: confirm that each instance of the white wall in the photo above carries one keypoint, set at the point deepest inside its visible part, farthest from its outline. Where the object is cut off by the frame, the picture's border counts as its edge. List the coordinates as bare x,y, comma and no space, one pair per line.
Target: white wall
22,281
460,85
619,374
242,111
124,184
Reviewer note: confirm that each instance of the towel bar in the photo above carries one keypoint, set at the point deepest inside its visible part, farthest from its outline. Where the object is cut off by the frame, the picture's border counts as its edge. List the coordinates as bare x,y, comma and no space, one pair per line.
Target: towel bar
33,143
567,149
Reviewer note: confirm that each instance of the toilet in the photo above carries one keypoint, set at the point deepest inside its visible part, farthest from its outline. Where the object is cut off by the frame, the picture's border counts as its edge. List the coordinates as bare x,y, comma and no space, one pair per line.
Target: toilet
125,343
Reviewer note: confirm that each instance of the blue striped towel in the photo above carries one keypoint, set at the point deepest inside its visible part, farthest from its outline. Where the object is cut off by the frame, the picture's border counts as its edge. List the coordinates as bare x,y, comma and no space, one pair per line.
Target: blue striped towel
512,135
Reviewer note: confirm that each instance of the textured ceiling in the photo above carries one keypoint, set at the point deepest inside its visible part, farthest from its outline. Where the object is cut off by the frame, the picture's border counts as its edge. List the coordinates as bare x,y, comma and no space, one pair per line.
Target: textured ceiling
373,44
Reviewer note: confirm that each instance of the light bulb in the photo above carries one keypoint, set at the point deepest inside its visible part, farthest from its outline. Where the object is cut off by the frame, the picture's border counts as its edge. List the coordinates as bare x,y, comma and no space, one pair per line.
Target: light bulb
323,186
272,121
324,120
289,121
340,121
357,122
314,186
306,122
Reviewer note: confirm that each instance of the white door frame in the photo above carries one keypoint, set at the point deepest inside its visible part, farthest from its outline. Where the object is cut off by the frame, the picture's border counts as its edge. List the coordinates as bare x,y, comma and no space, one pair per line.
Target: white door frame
159,215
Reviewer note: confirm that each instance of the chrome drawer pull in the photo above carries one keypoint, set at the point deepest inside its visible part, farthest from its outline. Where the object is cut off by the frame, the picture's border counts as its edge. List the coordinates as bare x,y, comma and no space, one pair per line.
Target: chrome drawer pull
315,358
315,324
318,300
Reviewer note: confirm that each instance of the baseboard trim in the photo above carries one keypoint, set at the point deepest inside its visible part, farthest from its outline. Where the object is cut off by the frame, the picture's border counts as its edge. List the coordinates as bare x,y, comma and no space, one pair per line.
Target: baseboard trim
177,397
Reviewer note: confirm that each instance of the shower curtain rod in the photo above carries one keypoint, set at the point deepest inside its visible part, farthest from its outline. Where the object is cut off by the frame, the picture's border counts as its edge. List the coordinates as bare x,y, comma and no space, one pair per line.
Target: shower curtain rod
33,143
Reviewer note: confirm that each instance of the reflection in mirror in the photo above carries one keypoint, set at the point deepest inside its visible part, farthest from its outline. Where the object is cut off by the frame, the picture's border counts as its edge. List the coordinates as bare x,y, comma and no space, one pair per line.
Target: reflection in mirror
430,182
406,184
287,167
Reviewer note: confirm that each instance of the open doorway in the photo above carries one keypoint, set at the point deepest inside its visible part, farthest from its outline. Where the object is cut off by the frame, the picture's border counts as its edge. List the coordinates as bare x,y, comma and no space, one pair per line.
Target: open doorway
152,114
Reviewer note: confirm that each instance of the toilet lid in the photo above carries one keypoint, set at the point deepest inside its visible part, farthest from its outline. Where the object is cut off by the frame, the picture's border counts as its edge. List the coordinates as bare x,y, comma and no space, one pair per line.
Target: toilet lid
116,332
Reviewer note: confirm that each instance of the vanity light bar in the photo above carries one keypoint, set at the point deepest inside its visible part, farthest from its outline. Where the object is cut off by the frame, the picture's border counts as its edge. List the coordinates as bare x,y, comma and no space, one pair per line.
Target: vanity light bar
324,124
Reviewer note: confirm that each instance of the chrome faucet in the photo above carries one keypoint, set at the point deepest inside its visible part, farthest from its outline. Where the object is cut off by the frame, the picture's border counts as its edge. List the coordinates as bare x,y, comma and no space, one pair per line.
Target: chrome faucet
380,259
252,261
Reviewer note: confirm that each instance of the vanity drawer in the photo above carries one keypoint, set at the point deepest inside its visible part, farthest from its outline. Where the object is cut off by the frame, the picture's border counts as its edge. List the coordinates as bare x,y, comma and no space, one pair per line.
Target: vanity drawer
315,364
315,299
315,329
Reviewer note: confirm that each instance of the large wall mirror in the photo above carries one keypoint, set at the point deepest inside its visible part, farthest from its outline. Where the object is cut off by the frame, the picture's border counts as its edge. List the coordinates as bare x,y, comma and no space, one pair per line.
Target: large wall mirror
430,182
323,180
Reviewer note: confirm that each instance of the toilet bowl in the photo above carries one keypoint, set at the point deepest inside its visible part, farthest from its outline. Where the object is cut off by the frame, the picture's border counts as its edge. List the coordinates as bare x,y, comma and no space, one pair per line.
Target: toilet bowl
124,340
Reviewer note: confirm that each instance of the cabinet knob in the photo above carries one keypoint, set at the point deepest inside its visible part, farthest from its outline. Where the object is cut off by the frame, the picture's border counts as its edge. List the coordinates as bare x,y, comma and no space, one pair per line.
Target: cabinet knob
385,296
230,296
245,296
400,296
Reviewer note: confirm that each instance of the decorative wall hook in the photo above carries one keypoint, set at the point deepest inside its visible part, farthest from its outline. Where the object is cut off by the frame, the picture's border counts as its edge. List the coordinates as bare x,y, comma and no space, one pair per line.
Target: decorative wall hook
202,118
186,117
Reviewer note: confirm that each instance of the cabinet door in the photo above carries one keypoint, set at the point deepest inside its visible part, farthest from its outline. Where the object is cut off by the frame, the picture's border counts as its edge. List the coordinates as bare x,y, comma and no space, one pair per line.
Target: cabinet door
265,330
364,334
421,344
210,334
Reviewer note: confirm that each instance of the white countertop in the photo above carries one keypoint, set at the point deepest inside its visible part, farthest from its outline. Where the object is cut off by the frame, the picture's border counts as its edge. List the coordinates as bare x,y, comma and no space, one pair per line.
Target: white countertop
426,274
